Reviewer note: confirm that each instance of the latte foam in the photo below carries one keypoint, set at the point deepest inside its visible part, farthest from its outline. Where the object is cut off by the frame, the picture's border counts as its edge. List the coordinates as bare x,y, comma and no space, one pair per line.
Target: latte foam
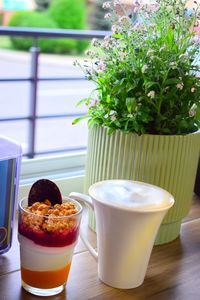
131,195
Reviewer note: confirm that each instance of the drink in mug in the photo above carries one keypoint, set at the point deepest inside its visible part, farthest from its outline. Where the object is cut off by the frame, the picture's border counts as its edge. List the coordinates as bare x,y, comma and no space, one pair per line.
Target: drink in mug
128,215
47,235
131,195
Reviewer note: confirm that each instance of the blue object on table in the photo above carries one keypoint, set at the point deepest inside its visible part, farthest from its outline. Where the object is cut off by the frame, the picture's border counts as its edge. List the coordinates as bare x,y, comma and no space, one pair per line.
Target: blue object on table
10,161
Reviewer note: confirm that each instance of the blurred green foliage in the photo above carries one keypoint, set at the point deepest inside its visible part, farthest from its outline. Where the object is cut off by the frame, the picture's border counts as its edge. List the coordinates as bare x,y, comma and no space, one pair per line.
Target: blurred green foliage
65,14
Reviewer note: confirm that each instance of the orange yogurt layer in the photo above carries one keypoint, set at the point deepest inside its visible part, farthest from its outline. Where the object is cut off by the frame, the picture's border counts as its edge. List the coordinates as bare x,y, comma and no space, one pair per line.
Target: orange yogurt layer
45,279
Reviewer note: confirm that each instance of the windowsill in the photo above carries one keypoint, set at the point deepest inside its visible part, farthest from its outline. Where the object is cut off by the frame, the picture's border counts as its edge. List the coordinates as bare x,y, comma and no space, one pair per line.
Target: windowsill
66,171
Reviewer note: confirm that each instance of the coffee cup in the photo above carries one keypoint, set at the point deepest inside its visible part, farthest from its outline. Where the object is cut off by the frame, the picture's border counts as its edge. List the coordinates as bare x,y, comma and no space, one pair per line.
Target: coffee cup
128,216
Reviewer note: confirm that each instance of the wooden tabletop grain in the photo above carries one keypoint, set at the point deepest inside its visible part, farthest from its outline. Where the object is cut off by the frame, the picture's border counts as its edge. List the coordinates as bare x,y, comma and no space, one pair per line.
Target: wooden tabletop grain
173,272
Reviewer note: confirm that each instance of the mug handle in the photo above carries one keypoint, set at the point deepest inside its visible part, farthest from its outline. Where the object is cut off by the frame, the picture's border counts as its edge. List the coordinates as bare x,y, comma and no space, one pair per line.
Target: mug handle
86,199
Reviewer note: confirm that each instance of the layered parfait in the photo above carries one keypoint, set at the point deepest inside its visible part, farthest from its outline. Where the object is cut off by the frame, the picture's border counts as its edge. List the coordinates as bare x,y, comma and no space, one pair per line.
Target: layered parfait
47,233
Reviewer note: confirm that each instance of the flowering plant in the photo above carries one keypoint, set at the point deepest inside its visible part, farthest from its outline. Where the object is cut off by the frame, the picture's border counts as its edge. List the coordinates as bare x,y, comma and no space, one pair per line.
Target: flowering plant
145,70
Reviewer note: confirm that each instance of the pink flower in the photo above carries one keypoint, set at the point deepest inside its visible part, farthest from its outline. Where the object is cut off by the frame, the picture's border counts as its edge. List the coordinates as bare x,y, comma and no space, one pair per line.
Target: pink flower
193,90
101,66
192,112
108,16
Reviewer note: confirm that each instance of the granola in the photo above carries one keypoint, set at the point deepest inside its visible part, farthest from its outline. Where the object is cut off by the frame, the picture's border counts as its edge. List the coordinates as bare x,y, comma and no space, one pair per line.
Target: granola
43,216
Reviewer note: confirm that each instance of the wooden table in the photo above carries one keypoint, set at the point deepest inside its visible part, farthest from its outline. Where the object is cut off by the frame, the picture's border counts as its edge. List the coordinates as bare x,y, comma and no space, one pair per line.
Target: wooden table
173,272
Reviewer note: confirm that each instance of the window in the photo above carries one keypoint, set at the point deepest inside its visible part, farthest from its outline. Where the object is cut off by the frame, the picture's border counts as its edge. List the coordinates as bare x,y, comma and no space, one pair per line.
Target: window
67,171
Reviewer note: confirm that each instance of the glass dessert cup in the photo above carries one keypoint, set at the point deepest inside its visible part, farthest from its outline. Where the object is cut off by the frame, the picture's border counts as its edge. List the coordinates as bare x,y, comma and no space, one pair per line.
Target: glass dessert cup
46,246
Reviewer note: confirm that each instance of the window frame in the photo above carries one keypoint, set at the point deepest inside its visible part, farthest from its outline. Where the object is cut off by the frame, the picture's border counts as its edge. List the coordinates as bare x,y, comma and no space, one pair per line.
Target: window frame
67,171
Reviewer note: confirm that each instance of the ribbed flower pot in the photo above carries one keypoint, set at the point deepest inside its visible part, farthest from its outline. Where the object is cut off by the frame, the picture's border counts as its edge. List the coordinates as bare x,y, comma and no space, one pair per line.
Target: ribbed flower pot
166,161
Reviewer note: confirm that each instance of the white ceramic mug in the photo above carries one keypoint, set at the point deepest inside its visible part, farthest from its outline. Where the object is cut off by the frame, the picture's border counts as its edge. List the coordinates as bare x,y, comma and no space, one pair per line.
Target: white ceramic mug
128,215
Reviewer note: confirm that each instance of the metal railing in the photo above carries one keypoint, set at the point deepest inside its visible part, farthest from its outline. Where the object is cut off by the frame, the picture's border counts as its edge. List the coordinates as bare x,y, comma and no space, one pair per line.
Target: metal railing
35,34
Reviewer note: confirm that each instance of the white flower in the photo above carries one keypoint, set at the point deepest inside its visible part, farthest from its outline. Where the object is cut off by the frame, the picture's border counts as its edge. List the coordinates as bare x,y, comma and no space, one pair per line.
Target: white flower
150,51
180,86
89,53
106,38
95,43
105,44
113,117
162,48
106,41
144,68
183,56
173,65
124,20
115,3
106,4
115,29
123,55
151,94
130,115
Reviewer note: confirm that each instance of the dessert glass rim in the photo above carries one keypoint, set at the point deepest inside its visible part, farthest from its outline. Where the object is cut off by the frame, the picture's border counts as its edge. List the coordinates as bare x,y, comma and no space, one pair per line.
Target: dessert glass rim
65,198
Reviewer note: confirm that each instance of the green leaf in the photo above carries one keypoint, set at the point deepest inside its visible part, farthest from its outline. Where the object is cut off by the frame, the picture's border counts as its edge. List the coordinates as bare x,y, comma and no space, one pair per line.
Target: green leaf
108,99
118,35
131,104
122,81
150,84
170,36
183,123
75,121
83,101
197,115
172,81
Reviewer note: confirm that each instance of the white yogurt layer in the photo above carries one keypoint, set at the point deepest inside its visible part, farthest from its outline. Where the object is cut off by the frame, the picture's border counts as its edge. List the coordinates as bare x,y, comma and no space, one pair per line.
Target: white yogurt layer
131,194
39,258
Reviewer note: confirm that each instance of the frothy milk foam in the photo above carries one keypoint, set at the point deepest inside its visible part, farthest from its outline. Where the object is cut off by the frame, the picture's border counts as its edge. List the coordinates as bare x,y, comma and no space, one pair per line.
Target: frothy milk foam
131,194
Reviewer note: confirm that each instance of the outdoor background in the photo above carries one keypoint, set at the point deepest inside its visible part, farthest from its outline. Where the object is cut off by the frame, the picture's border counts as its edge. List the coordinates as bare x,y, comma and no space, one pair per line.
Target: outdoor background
56,59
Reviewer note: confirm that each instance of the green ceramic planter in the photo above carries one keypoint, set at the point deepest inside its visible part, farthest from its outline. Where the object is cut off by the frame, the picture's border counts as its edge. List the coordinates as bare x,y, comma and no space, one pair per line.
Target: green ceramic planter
166,161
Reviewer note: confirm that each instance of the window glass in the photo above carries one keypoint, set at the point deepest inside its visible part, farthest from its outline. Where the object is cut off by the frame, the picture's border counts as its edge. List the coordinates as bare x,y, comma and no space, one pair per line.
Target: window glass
54,134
